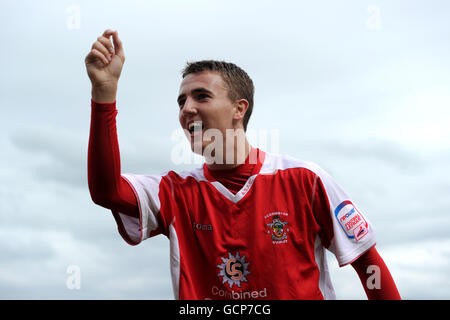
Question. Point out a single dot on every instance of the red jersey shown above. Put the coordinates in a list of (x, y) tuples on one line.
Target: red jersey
[(266, 241)]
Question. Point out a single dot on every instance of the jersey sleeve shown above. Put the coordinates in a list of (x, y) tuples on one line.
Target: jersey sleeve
[(149, 190), (345, 231)]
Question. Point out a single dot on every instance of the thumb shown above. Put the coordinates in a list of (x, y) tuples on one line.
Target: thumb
[(118, 48)]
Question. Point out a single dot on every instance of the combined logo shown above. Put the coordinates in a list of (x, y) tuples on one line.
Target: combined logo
[(277, 227), (233, 270)]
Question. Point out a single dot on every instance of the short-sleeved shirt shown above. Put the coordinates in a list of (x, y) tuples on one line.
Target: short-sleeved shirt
[(267, 241)]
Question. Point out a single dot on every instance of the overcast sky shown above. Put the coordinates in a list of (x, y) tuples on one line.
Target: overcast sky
[(360, 87)]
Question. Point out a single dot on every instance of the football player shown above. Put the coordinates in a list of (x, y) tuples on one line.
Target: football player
[(247, 224)]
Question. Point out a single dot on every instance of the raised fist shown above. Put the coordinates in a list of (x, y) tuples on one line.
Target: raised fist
[(104, 63)]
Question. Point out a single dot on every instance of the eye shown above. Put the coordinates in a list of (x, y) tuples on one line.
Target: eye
[(181, 103), (202, 96)]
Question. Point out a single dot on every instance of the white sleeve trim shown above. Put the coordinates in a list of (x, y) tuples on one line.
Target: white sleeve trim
[(352, 256), (146, 189), (347, 243), (174, 261)]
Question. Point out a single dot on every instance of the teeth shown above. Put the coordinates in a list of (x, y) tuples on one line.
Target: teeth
[(194, 126)]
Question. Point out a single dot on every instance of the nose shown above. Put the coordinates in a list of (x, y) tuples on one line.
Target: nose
[(189, 106)]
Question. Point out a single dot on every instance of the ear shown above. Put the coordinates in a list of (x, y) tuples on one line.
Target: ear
[(240, 108)]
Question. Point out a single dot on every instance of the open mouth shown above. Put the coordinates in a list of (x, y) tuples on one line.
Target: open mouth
[(194, 127)]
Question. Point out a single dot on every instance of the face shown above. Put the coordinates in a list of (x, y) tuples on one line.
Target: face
[(204, 104)]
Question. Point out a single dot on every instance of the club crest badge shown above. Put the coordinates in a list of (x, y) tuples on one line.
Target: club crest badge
[(277, 227)]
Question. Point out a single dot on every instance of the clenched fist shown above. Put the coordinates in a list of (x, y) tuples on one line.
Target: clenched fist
[(104, 64)]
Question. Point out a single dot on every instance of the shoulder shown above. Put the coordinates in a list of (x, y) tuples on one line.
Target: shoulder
[(185, 176), (306, 171), (274, 162), (170, 177)]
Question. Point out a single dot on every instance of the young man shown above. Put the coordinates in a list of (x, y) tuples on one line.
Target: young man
[(247, 224)]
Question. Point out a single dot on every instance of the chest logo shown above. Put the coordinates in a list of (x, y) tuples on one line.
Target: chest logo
[(233, 269), (277, 227)]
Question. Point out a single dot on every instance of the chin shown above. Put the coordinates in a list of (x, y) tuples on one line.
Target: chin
[(197, 149)]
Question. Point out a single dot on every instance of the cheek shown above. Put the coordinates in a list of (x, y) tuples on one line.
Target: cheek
[(225, 113), (218, 120), (181, 118)]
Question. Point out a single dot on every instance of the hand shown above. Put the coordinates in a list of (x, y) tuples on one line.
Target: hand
[(104, 64)]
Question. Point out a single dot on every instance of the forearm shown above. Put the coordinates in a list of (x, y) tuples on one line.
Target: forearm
[(106, 185), (375, 277)]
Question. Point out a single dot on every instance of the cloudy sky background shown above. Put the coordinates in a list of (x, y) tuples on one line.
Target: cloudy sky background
[(360, 87)]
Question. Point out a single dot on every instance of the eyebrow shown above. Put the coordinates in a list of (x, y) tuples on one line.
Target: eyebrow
[(194, 91)]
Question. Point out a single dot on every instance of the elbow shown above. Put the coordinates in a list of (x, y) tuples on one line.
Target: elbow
[(99, 200), (99, 194), (102, 199)]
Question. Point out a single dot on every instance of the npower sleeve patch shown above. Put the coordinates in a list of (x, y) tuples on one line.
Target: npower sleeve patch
[(351, 220)]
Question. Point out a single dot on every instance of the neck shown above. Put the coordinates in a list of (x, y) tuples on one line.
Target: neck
[(234, 156)]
